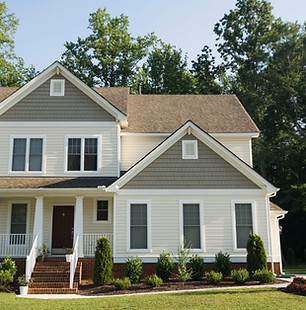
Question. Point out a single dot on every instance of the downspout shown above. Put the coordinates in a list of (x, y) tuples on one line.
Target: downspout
[(280, 217)]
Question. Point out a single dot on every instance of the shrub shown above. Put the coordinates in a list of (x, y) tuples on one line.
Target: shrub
[(134, 269), (153, 281), (103, 262), (223, 264), (240, 276), (214, 277), (291, 259), (196, 265), (182, 259), (122, 284), (256, 258), (6, 277), (8, 270), (263, 275), (22, 280), (164, 266)]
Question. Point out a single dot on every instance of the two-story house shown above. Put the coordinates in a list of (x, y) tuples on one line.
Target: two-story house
[(150, 172)]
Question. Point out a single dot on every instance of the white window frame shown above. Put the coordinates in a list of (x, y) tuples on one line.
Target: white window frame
[(9, 220), (26, 168), (202, 225), (55, 94), (234, 232), (95, 209), (99, 157), (195, 147), (128, 224)]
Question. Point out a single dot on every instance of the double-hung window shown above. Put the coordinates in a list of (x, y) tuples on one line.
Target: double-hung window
[(27, 154), (82, 154), (243, 223)]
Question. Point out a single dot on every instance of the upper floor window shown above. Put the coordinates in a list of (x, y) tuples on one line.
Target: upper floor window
[(27, 154), (82, 154), (57, 87), (190, 149)]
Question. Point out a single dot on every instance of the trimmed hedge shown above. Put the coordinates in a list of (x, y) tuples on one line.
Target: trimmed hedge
[(214, 277), (122, 284), (153, 281), (240, 276), (196, 265), (223, 264), (134, 269), (256, 258), (164, 266)]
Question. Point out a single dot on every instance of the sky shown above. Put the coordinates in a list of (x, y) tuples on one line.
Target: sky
[(45, 25)]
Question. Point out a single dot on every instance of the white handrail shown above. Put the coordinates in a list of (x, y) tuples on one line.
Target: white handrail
[(31, 259), (74, 260)]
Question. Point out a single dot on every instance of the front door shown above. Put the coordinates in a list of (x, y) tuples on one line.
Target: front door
[(62, 229)]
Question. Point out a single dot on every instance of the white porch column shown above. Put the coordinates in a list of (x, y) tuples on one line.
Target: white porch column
[(39, 221), (78, 223)]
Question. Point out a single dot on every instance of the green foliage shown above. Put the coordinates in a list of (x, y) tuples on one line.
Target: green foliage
[(290, 257), (223, 264), (122, 284), (256, 258), (214, 277), (240, 276), (107, 57), (164, 266), (8, 270), (134, 269), (263, 275), (103, 262), (6, 277), (22, 280), (153, 281), (196, 265), (184, 273)]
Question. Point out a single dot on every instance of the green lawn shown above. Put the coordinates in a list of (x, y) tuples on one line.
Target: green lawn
[(299, 269), (259, 298)]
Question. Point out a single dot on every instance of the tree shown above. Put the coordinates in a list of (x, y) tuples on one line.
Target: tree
[(12, 69), (108, 56), (164, 72)]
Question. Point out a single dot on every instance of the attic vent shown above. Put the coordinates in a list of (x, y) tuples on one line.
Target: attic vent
[(190, 149), (57, 87)]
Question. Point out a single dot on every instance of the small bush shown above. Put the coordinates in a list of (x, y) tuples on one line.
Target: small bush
[(214, 277), (182, 259), (223, 264), (134, 269), (256, 258), (240, 276), (8, 270), (6, 277), (164, 266), (297, 286), (122, 284), (153, 281), (103, 264), (196, 265), (263, 275)]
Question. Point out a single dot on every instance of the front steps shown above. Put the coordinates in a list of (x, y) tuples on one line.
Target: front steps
[(52, 277)]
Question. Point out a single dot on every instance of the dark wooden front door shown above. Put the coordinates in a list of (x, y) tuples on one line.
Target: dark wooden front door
[(62, 228)]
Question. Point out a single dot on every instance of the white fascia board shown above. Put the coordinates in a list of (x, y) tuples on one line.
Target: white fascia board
[(207, 140), (48, 73), (277, 213)]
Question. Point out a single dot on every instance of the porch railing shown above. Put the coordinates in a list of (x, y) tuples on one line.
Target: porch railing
[(90, 243), (74, 260), (31, 259), (16, 245)]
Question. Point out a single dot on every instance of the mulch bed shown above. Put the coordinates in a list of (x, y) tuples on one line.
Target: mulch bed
[(172, 285)]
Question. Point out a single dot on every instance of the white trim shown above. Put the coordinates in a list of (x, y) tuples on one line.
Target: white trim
[(114, 225), (194, 143), (99, 154), (9, 221), (128, 224), (26, 170), (163, 134), (48, 124), (118, 151), (254, 220), (95, 207), (202, 226), (269, 228), (57, 94)]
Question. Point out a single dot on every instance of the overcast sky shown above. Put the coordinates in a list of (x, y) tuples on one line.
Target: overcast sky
[(45, 25)]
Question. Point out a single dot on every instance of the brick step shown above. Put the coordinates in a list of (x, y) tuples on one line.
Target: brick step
[(50, 264), (54, 270), (52, 290), (52, 284)]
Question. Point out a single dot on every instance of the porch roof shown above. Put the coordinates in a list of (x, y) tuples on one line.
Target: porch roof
[(54, 182)]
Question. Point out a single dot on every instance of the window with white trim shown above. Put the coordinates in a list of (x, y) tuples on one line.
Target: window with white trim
[(189, 149), (138, 226), (191, 225), (244, 223), (102, 210), (82, 154), (27, 154), (18, 223), (57, 87)]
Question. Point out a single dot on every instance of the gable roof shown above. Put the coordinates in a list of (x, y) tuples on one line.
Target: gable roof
[(57, 68), (222, 151)]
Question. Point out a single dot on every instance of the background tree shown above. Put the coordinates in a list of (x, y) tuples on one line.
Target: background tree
[(12, 69), (108, 56)]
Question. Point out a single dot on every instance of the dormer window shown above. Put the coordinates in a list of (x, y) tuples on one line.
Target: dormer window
[(190, 149), (57, 87)]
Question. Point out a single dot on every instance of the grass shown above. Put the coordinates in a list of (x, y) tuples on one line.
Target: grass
[(299, 269), (258, 298)]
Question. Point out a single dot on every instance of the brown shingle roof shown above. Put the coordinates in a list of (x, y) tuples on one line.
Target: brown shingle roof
[(274, 207), (6, 92)]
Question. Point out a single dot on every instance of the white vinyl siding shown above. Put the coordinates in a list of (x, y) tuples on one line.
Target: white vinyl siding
[(55, 158)]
